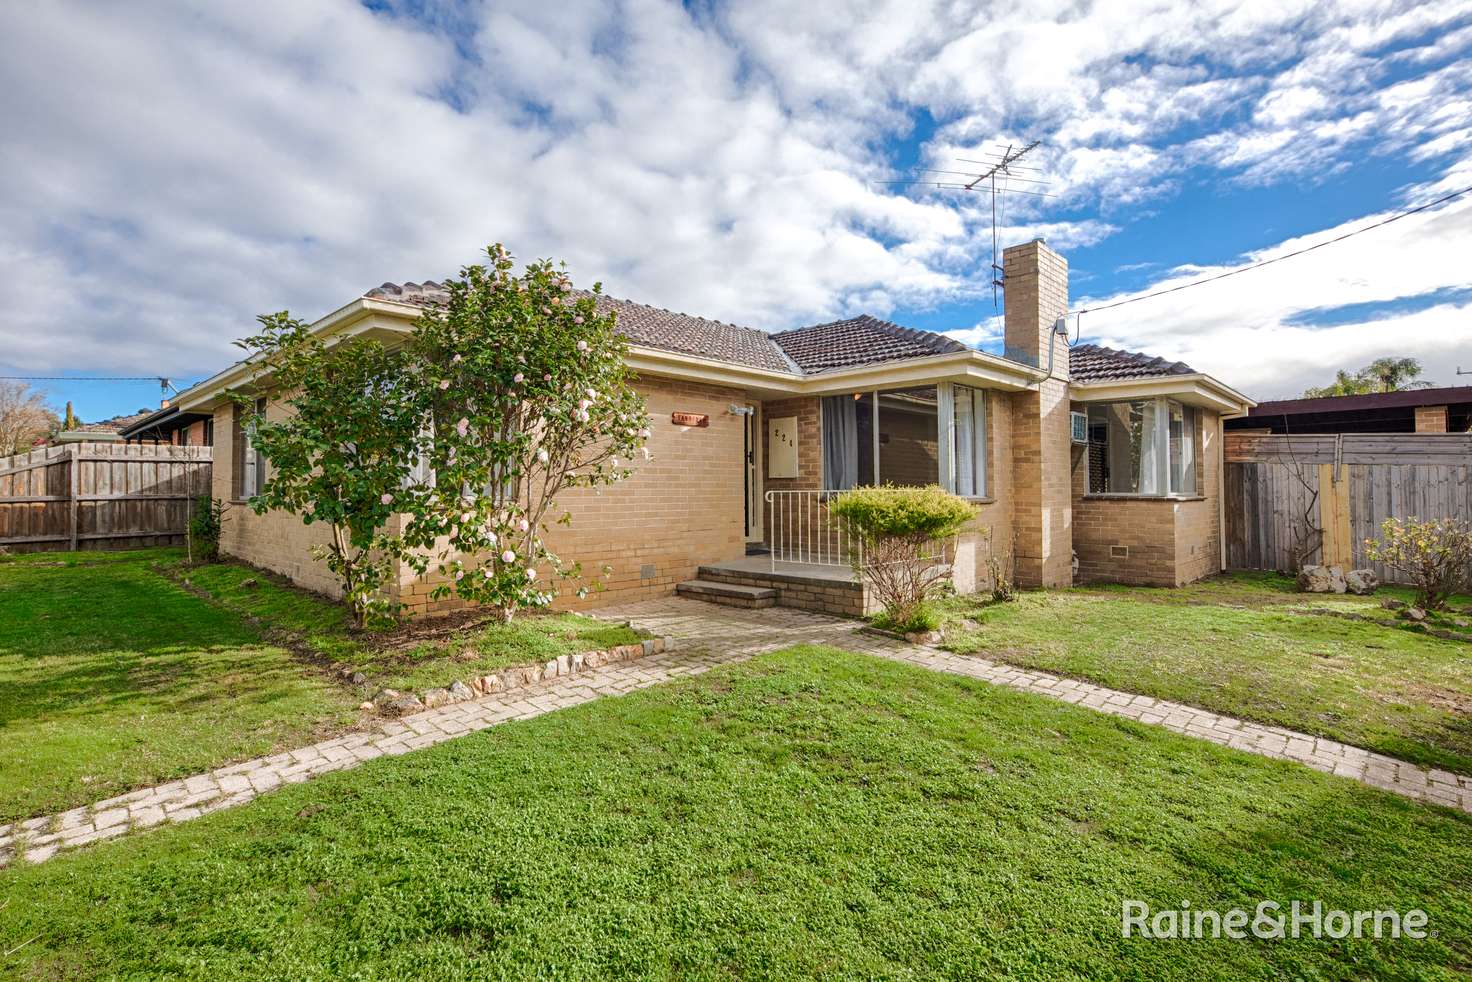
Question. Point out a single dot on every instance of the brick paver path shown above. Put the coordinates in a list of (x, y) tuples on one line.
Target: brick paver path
[(708, 636)]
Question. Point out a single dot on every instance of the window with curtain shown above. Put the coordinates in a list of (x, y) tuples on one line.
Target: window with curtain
[(932, 434), (1142, 447), (250, 466), (969, 435)]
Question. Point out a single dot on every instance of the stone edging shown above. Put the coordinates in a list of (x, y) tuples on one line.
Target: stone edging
[(390, 702)]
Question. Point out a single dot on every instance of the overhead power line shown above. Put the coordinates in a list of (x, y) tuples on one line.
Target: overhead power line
[(80, 378), (1277, 259)]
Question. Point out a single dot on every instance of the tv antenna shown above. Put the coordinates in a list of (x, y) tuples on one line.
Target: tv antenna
[(1002, 163)]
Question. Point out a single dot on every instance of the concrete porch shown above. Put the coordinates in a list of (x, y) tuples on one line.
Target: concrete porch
[(752, 582)]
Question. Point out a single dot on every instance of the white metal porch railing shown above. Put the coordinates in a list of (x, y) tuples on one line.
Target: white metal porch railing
[(801, 530)]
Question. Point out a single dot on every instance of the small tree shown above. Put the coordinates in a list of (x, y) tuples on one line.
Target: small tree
[(344, 453), (524, 396), (202, 534), (1436, 555), (903, 533), (24, 417)]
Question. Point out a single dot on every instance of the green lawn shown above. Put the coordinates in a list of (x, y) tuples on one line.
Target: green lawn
[(121, 670), (1248, 646), (422, 654), (113, 678), (808, 813)]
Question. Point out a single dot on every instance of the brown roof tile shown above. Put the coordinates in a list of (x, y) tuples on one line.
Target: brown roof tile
[(653, 327), (1094, 363), (860, 340)]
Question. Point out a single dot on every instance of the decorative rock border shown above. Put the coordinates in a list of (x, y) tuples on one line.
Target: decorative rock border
[(391, 702)]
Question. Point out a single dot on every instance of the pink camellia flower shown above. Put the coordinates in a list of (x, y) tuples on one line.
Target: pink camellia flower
[(566, 286), (578, 319), (488, 572), (546, 378), (519, 378), (582, 346), (456, 360), (491, 537), (386, 499), (542, 456), (583, 416), (525, 525), (531, 574), (462, 427), (466, 516), (444, 384), (459, 575), (583, 404), (592, 393), (508, 556)]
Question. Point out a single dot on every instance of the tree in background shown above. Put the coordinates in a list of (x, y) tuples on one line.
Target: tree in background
[(525, 396), (1381, 375), (70, 421), (24, 418)]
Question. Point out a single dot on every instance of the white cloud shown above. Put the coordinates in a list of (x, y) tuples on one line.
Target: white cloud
[(1250, 330), (172, 170)]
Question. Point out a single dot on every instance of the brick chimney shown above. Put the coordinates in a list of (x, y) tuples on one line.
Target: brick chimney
[(1035, 281)]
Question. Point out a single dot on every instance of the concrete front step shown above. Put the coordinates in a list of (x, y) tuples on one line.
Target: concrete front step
[(730, 594)]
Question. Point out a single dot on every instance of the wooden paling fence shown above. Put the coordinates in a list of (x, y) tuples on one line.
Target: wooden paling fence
[(1316, 499), (100, 496)]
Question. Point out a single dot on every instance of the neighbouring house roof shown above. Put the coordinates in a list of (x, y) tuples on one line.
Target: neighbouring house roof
[(1095, 363), (118, 423), (861, 340), (1374, 412)]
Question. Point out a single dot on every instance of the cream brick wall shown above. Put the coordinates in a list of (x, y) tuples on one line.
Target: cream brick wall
[(1152, 541), (679, 510), (1036, 296), (276, 541)]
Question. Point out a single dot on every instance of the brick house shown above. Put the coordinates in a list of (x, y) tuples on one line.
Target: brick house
[(1107, 456)]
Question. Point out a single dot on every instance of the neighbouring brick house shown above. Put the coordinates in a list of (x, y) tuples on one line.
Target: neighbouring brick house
[(1109, 455)]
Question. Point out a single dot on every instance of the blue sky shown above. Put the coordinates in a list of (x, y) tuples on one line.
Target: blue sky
[(174, 169)]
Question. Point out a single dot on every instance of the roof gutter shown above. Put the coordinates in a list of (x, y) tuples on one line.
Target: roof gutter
[(1197, 387)]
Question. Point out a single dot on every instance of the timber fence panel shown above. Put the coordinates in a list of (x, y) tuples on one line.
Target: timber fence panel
[(100, 496), (1280, 489)]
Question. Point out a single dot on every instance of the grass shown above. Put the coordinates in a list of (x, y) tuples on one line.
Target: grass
[(419, 655), (808, 813), (115, 678), (121, 670), (1248, 646)]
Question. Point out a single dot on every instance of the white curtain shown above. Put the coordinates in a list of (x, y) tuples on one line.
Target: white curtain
[(1150, 448), (965, 443), (840, 443)]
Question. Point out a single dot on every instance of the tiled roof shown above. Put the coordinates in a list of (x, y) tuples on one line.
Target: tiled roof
[(653, 327), (1093, 363), (859, 340), (116, 423)]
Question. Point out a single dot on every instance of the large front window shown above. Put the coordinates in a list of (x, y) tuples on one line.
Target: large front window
[(1142, 447), (931, 434)]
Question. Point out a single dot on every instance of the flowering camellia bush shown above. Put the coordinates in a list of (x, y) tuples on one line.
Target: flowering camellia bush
[(523, 395), (342, 453), (1436, 555)]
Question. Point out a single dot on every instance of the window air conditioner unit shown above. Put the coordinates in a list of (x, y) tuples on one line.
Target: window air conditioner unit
[(1079, 424)]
